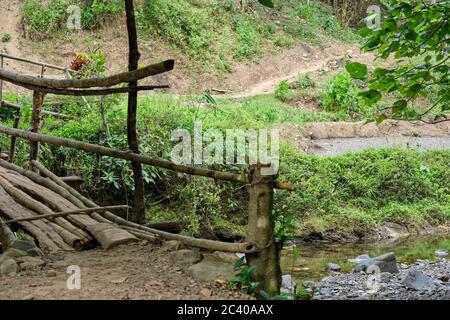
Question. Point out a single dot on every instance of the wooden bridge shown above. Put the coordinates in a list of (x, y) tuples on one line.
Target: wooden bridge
[(59, 217)]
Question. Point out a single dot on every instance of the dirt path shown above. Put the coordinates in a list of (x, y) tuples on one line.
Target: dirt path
[(134, 272)]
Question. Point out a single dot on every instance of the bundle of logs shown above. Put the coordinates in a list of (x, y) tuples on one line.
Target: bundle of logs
[(59, 218)]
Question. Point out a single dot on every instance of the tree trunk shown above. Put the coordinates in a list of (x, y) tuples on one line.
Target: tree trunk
[(139, 208), (260, 231)]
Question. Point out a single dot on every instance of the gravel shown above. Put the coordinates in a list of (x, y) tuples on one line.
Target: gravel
[(387, 286)]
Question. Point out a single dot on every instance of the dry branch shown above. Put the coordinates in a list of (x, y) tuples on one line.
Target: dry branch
[(64, 214)]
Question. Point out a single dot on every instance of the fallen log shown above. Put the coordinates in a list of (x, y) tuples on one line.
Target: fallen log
[(68, 237), (73, 181), (7, 237), (170, 226), (143, 235), (200, 243), (48, 240), (63, 214), (55, 197), (32, 204)]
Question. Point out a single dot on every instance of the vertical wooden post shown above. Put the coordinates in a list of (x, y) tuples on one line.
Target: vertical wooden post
[(12, 146), (133, 142), (36, 122), (260, 230)]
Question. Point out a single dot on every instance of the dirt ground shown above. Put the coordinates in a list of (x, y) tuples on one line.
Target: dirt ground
[(130, 272)]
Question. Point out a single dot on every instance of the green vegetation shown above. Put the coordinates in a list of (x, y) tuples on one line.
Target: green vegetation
[(345, 194), (416, 34), (212, 34), (6, 37), (45, 20)]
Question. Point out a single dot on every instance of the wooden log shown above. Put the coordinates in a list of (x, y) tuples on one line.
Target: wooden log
[(133, 142), (260, 230), (94, 92), (109, 236), (73, 181), (12, 146), (68, 237), (143, 235), (170, 226), (7, 237), (36, 122), (200, 243), (110, 81), (64, 214), (47, 239), (84, 222), (28, 202)]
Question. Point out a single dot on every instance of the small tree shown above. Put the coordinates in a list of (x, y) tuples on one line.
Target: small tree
[(417, 35)]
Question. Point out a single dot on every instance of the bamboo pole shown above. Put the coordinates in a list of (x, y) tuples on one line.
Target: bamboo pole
[(226, 176), (260, 230), (200, 243), (66, 213)]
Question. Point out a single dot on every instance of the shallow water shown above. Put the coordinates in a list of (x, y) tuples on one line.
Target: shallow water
[(332, 147), (308, 261)]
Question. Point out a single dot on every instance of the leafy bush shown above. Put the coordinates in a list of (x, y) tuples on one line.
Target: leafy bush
[(41, 20), (283, 91), (304, 81), (341, 95), (44, 20), (6, 37)]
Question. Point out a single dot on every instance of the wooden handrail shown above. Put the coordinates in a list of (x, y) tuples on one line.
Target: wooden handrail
[(161, 163), (42, 64), (124, 77)]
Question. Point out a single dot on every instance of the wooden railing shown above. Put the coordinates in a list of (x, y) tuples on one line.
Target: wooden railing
[(261, 248)]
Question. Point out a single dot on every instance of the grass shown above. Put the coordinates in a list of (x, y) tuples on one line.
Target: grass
[(6, 37), (348, 194), (212, 35)]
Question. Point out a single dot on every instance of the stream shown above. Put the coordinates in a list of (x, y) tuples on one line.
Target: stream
[(308, 261), (335, 146)]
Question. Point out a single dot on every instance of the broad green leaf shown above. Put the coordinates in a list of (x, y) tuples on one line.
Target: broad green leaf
[(399, 105), (357, 70), (381, 118), (267, 3), (371, 97)]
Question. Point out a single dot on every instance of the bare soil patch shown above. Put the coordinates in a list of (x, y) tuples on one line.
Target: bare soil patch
[(136, 272)]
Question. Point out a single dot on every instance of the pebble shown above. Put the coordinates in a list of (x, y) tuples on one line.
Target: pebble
[(387, 286)]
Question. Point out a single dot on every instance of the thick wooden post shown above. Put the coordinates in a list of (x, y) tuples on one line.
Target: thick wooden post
[(36, 122), (260, 230)]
